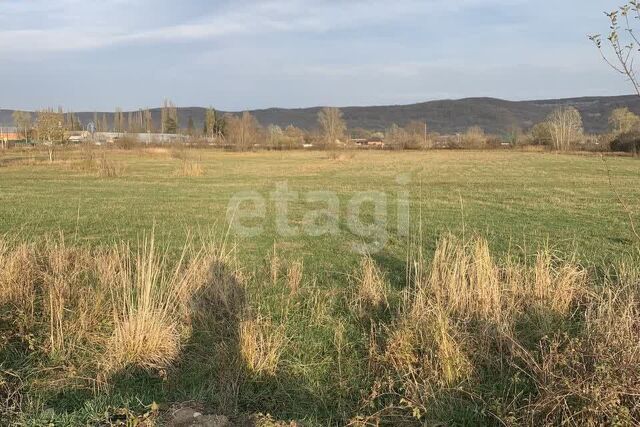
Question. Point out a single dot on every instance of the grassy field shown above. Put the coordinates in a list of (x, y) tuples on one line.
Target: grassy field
[(512, 198), (311, 358)]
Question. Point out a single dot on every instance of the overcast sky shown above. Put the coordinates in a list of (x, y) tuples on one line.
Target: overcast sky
[(245, 54)]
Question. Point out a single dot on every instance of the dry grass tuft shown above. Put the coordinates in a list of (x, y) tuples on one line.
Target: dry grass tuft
[(63, 272), (274, 266), (151, 303), (107, 168), (261, 345), (17, 279), (423, 357), (100, 166), (464, 336), (341, 156), (294, 276), (146, 339), (190, 169), (464, 279), (12, 395), (146, 331), (156, 151), (591, 379), (457, 312), (95, 312), (556, 287), (371, 289)]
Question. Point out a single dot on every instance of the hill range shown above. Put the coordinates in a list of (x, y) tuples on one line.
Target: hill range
[(495, 116)]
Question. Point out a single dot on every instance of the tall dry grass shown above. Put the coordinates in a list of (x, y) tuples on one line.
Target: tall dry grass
[(540, 341), (468, 320), (17, 279), (151, 304), (465, 280), (262, 344), (97, 311), (99, 165), (371, 293), (106, 168), (591, 378), (274, 266), (294, 277), (190, 168)]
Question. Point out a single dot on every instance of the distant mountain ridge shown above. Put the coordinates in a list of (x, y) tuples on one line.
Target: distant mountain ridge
[(494, 115)]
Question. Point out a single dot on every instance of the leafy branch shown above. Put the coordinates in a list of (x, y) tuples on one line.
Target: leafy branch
[(622, 42)]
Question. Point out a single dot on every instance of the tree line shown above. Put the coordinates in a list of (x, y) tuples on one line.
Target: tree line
[(562, 130), (242, 131)]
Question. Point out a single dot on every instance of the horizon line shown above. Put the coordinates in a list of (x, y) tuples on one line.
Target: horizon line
[(337, 106)]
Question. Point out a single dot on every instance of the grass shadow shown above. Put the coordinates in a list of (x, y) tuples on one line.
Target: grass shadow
[(213, 373)]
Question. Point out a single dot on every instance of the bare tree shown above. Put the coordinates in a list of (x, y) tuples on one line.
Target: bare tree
[(135, 121), (148, 121), (332, 125), (396, 137), (104, 124), (22, 121), (50, 129), (191, 128), (474, 137), (118, 120), (418, 134), (209, 123), (243, 132), (130, 122), (622, 121), (275, 136), (620, 53), (565, 127), (72, 121), (293, 137), (294, 133), (622, 43)]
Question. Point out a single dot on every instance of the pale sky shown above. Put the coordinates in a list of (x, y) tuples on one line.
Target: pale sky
[(95, 55)]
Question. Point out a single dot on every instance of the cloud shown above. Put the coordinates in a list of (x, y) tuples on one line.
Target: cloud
[(72, 25), (245, 53)]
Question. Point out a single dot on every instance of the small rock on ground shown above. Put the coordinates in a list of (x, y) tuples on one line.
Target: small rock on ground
[(190, 417)]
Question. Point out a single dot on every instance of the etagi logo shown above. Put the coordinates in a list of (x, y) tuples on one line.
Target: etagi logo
[(247, 214)]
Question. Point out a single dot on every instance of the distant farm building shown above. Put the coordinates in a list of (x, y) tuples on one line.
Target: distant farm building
[(77, 136), (111, 137), (10, 134), (368, 142), (143, 138)]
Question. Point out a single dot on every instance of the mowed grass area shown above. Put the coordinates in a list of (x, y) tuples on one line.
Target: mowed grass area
[(512, 198), (494, 330)]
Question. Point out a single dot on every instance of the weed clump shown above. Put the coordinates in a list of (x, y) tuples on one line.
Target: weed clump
[(371, 294), (96, 312), (467, 338), (467, 322), (189, 169)]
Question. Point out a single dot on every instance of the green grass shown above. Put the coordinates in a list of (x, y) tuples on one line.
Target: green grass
[(513, 198), (518, 201)]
